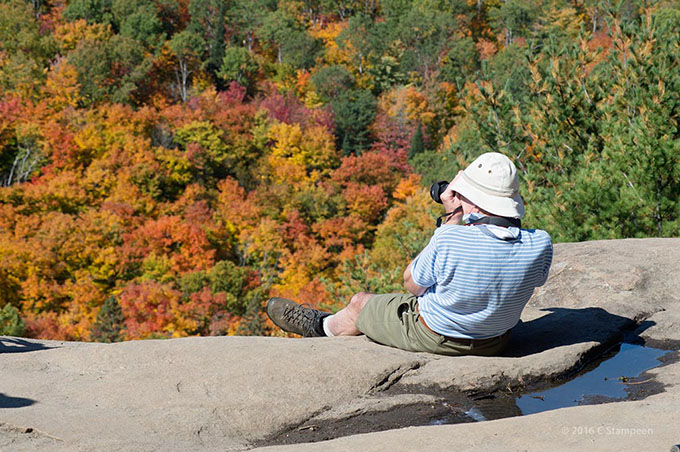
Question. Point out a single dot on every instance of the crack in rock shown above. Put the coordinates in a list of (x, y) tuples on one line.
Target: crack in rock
[(393, 376), (27, 431), (200, 430), (384, 382)]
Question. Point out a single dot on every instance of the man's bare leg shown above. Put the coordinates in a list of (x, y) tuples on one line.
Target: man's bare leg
[(344, 322)]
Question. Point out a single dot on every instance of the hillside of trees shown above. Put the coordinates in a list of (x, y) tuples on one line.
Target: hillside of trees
[(168, 165)]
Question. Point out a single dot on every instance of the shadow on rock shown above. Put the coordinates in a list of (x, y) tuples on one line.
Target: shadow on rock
[(14, 402), (564, 326), (16, 345)]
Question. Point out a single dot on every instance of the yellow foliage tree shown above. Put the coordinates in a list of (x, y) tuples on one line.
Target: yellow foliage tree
[(406, 229), (61, 89), (300, 156), (328, 34), (69, 34)]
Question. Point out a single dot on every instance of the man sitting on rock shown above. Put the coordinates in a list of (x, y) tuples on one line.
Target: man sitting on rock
[(468, 286)]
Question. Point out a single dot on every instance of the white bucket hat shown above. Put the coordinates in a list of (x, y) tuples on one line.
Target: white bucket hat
[(491, 183)]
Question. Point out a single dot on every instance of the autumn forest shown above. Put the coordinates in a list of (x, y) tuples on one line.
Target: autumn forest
[(166, 166)]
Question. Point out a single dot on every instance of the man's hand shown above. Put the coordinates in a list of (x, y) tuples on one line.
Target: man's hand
[(451, 202), (412, 287)]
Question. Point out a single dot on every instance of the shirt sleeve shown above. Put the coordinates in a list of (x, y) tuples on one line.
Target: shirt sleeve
[(423, 270), (547, 261)]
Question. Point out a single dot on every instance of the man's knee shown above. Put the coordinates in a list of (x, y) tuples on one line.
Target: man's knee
[(358, 301)]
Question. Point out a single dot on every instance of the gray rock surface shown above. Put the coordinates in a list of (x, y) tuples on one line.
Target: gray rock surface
[(232, 393), (648, 425)]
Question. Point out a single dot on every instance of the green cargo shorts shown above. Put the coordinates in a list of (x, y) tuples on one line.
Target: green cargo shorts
[(392, 319)]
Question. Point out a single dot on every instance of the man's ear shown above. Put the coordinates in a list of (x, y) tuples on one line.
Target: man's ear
[(472, 207), (468, 206)]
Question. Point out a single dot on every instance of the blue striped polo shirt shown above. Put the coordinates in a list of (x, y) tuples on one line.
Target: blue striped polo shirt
[(477, 283)]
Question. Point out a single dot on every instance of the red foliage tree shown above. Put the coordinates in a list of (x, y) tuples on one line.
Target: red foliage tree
[(290, 110), (370, 168), (147, 308), (393, 139), (185, 245)]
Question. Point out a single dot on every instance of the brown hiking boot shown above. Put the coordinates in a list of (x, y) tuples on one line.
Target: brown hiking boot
[(296, 318)]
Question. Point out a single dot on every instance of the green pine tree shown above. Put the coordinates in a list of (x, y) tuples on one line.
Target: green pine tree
[(354, 112), (110, 322), (417, 143), (253, 323), (11, 324), (594, 136)]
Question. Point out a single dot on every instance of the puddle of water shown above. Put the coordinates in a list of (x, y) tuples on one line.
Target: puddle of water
[(476, 414), (606, 382)]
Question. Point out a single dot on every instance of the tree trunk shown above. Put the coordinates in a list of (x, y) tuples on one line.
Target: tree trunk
[(22, 167), (182, 75)]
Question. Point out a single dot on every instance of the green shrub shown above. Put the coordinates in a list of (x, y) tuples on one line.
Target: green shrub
[(11, 324)]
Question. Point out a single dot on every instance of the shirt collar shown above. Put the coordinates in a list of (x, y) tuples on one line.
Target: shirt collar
[(499, 232)]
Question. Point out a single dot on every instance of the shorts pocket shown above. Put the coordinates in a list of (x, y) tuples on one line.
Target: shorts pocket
[(402, 309)]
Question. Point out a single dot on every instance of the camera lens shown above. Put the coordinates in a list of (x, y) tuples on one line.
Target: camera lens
[(437, 189)]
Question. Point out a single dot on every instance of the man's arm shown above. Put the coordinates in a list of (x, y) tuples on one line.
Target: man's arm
[(452, 202), (412, 287), (548, 255)]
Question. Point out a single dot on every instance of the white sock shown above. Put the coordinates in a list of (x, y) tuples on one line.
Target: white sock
[(326, 327)]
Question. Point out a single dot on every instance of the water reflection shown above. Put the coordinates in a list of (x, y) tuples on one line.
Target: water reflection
[(604, 383)]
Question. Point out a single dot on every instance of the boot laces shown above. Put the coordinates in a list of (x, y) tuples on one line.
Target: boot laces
[(303, 316)]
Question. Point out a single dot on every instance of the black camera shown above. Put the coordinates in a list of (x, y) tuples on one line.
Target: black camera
[(437, 189)]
